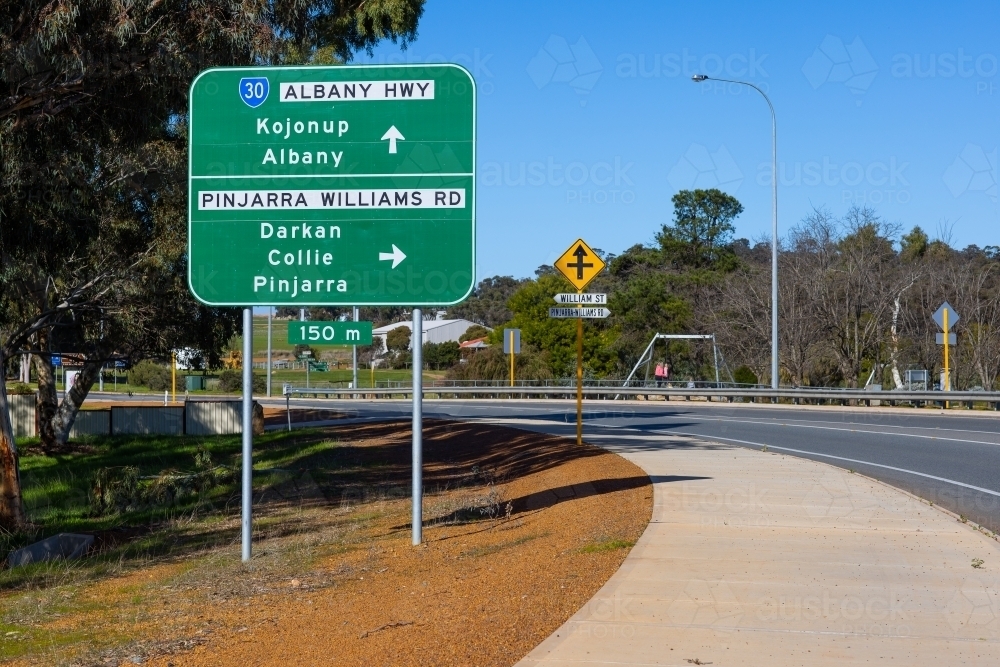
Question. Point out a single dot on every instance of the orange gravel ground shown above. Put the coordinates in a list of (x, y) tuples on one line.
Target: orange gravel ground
[(480, 591)]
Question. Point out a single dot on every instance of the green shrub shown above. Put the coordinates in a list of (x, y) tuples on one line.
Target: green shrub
[(150, 374), (19, 389), (492, 364), (744, 375), (441, 355), (398, 339), (231, 380), (474, 332)]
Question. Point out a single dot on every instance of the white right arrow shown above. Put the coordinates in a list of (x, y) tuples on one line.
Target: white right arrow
[(392, 134), (396, 256)]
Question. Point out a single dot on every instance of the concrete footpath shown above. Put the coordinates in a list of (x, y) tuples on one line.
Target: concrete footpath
[(757, 558)]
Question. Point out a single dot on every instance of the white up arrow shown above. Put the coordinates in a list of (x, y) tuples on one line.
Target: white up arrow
[(392, 134), (396, 256)]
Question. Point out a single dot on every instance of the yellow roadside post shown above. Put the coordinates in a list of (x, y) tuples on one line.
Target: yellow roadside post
[(946, 318), (173, 376), (947, 375), (579, 379), (579, 265), (511, 345)]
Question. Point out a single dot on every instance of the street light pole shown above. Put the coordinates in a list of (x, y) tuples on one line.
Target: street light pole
[(698, 78)]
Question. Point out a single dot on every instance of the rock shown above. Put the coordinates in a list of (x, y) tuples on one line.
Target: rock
[(66, 546), (257, 420)]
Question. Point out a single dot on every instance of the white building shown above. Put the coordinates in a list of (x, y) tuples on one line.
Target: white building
[(435, 331)]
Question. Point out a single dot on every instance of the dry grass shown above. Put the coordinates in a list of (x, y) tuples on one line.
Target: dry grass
[(334, 573)]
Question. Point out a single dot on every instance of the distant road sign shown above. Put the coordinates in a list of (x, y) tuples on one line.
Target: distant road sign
[(595, 299), (586, 313), (953, 317), (512, 336), (352, 184), (580, 264), (56, 360), (952, 339), (330, 333)]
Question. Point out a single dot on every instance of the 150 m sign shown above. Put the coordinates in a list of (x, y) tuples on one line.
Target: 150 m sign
[(332, 185), (330, 333)]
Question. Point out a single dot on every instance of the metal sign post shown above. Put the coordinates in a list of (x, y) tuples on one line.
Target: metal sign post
[(946, 317), (416, 340), (579, 381), (512, 358), (354, 357), (247, 431), (512, 346), (579, 265), (270, 318)]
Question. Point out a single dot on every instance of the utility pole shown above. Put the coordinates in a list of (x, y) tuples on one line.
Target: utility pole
[(775, 368)]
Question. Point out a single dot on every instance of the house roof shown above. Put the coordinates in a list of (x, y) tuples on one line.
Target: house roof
[(474, 344), (429, 325)]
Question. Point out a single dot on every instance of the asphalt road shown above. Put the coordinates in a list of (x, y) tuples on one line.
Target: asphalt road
[(952, 460)]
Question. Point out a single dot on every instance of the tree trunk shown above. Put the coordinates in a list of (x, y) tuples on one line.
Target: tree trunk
[(55, 418), (46, 401), (896, 379), (11, 506), (62, 420), (26, 368)]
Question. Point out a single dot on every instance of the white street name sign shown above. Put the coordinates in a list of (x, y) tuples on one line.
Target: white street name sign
[(596, 299), (587, 313)]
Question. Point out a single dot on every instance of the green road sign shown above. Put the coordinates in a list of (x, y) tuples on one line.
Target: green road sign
[(330, 333), (332, 185)]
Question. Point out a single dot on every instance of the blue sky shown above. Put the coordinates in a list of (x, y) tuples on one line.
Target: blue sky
[(893, 105)]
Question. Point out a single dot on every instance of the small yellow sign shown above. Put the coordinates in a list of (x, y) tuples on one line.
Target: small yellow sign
[(580, 264)]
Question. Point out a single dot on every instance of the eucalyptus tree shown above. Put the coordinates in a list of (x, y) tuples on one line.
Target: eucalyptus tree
[(93, 99)]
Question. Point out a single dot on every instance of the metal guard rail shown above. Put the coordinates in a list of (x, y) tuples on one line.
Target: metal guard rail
[(795, 395)]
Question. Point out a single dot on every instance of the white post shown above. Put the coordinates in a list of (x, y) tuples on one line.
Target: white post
[(354, 355), (417, 339), (247, 429), (270, 313)]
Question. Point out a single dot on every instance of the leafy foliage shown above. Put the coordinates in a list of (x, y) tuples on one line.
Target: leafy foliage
[(488, 303), (702, 229), (492, 364), (440, 355), (474, 333), (150, 374), (398, 339), (231, 381)]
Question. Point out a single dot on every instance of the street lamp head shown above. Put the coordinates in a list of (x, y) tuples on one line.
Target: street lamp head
[(698, 78)]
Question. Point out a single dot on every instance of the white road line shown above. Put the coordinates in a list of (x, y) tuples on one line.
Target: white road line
[(831, 428), (837, 458)]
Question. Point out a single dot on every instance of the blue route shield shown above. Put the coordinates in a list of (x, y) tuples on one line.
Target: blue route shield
[(253, 91)]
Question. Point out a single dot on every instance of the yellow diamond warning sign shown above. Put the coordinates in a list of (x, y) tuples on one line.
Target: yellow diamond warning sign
[(580, 264)]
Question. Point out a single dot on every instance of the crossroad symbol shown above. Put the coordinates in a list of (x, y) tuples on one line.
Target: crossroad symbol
[(953, 317), (580, 264)]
